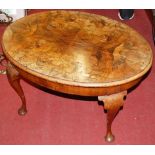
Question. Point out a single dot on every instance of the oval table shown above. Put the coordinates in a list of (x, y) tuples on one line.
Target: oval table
[(76, 53)]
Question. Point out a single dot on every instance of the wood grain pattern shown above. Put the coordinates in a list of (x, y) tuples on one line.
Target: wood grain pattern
[(76, 53), (77, 49), (112, 103), (14, 80)]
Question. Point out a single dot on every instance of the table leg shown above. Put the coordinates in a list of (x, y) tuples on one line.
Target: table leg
[(14, 80), (112, 103)]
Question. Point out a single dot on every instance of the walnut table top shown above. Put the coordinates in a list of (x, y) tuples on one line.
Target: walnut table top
[(76, 52)]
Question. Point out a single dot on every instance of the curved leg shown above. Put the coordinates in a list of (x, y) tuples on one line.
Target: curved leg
[(112, 103), (14, 80)]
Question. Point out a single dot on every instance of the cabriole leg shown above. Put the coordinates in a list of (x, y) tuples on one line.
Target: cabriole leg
[(14, 80), (112, 103)]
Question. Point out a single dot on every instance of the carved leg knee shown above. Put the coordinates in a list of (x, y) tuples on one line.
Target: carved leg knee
[(14, 80), (112, 103)]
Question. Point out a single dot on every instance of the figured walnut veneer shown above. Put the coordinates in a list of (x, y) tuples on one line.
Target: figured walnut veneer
[(77, 49), (77, 53)]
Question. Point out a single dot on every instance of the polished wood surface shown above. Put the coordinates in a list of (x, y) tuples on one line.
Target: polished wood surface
[(14, 80), (112, 103), (76, 53), (77, 49)]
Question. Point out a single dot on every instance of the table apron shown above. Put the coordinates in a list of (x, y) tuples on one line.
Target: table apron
[(77, 90)]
